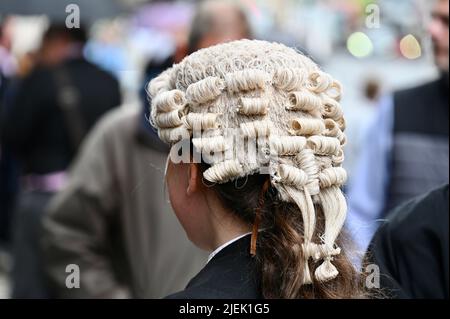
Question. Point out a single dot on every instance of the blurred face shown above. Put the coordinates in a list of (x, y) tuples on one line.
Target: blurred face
[(6, 33), (188, 200), (438, 29), (228, 25), (53, 51)]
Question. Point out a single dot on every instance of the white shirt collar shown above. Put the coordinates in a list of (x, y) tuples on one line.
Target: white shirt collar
[(216, 251)]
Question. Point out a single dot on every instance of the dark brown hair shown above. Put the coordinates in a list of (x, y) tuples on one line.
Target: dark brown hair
[(279, 255)]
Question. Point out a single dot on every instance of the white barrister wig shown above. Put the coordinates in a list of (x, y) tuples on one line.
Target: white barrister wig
[(277, 98)]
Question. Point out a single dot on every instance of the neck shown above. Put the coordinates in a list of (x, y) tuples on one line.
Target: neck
[(223, 236), (225, 225)]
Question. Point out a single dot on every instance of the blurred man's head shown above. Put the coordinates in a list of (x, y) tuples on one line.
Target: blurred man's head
[(439, 33), (217, 21), (5, 33), (59, 43)]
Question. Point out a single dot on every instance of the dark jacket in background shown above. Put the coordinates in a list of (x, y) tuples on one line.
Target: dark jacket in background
[(412, 248), (231, 274), (34, 127), (420, 147)]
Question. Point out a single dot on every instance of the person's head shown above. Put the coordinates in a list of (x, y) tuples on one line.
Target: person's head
[(60, 42), (1, 34), (372, 89), (5, 32), (266, 130), (217, 21), (438, 29)]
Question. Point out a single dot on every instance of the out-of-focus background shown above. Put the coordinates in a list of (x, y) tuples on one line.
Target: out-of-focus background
[(371, 46), (361, 45)]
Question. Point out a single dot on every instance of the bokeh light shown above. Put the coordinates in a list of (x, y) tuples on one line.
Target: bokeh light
[(410, 48), (359, 45)]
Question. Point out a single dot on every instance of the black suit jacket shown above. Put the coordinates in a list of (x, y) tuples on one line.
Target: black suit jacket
[(412, 247), (231, 274)]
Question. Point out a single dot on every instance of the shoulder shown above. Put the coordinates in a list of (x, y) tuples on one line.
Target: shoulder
[(118, 124), (216, 291), (93, 70), (122, 117), (224, 282), (202, 293), (41, 78), (411, 248), (231, 274), (422, 218)]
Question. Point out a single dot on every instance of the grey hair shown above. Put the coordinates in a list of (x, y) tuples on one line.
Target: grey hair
[(203, 21)]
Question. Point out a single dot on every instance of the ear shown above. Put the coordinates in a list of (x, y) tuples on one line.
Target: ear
[(194, 179)]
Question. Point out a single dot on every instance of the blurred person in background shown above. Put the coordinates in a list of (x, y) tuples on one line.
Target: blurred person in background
[(51, 111), (406, 152), (358, 119), (8, 170), (113, 219), (8, 63), (412, 248), (217, 21), (214, 22)]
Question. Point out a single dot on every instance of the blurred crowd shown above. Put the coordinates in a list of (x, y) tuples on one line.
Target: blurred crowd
[(82, 170)]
